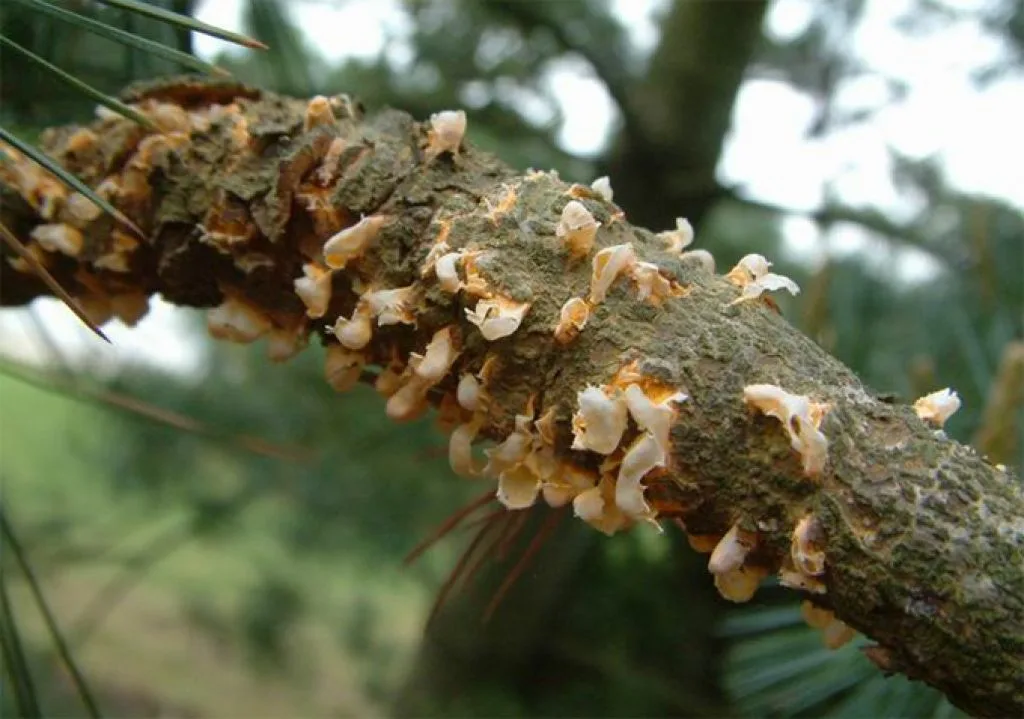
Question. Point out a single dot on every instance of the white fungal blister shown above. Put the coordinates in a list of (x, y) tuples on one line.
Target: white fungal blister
[(447, 129), (596, 506), (730, 552), (351, 243), (314, 289), (577, 229), (518, 487), (800, 417), (937, 407), (438, 357), (752, 275), (566, 484), (283, 343), (702, 259), (652, 285), (447, 272), (609, 263), (59, 237), (497, 317), (356, 332), (237, 321), (392, 306), (654, 417), (644, 455), (571, 320), (410, 401), (513, 450), (603, 187), (600, 421), (678, 239), (460, 448)]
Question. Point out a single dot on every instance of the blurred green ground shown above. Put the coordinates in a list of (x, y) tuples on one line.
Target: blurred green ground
[(170, 644)]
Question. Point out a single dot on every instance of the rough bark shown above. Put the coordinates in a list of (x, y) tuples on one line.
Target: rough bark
[(922, 537)]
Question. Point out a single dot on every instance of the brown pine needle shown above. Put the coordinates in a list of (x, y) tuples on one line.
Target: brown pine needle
[(456, 573), (506, 521), (160, 415), (450, 523), (516, 528), (50, 281), (545, 531)]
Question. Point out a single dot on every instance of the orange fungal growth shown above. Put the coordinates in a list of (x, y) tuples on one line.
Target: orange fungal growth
[(801, 419), (79, 210), (572, 319), (438, 357), (318, 114), (355, 332), (652, 285), (577, 229)]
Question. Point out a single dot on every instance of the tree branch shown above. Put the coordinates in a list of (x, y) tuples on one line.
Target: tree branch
[(922, 538)]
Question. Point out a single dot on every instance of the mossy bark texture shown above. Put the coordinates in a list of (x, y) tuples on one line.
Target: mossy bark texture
[(922, 537)]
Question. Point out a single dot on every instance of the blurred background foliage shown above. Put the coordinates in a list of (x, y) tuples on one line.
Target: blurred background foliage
[(197, 573)]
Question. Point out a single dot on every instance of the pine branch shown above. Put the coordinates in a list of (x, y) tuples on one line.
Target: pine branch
[(921, 538)]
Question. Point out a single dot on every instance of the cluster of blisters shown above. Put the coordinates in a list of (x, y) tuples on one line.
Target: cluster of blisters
[(577, 229), (69, 216)]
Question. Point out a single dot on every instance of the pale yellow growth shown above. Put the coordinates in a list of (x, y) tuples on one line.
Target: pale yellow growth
[(329, 165), (609, 263), (355, 332), (460, 448), (577, 229), (678, 239), (571, 320), (314, 289), (937, 407), (342, 367), (740, 584), (497, 317), (837, 634), (237, 321), (566, 484), (600, 421), (410, 401), (352, 242), (59, 237), (799, 417), (437, 358), (795, 579)]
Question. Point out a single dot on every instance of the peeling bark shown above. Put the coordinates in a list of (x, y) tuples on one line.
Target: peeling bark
[(922, 538)]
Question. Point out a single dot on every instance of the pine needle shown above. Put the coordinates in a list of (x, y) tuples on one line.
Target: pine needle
[(184, 21)]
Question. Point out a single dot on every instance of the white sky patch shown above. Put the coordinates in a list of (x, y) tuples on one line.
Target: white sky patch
[(165, 339), (587, 107)]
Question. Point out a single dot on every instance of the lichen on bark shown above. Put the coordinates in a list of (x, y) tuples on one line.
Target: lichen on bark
[(922, 537)]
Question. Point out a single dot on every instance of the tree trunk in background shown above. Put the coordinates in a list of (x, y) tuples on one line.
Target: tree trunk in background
[(919, 538), (665, 166)]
